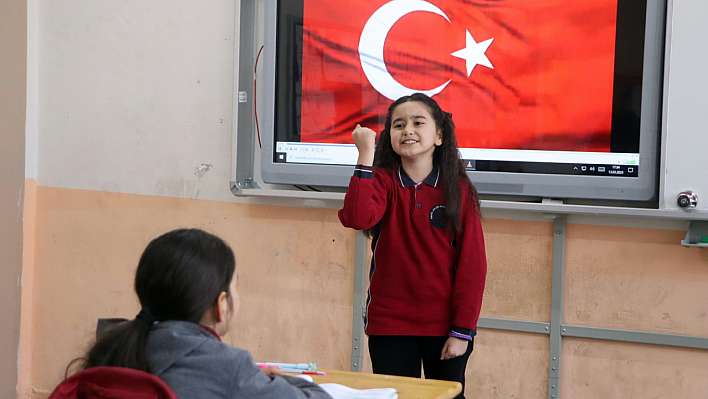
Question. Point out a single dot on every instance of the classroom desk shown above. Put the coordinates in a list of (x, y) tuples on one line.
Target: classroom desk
[(408, 388)]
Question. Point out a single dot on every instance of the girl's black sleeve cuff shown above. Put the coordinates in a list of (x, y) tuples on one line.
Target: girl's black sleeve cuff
[(363, 171)]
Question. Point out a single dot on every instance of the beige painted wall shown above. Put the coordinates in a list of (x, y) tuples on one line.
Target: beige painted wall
[(13, 50), (296, 269), (634, 279), (293, 265), (27, 313)]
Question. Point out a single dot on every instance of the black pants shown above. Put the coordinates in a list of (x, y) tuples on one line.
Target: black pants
[(403, 355)]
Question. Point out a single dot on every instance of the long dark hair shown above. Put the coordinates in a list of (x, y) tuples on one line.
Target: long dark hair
[(445, 156), (180, 276)]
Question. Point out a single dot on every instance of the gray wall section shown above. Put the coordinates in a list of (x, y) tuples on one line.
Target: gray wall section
[(686, 103), (135, 96), (13, 50)]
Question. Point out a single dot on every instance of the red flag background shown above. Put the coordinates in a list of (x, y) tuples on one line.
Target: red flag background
[(550, 88)]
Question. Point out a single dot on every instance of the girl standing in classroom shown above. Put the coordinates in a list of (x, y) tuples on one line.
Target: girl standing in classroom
[(428, 266)]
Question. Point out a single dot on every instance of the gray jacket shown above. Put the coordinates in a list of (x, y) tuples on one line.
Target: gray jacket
[(197, 365)]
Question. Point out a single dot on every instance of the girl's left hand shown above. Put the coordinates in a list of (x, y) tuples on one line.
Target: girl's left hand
[(453, 347)]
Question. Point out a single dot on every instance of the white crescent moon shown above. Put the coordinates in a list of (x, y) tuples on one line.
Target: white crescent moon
[(371, 47)]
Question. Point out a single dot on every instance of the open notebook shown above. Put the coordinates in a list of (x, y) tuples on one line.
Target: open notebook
[(338, 391)]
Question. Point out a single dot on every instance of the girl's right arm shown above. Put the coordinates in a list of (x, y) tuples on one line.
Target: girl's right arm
[(366, 198)]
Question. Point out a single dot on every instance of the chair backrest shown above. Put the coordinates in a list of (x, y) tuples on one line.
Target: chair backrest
[(112, 383)]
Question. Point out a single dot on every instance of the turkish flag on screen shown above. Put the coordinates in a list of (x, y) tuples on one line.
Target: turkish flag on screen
[(525, 74)]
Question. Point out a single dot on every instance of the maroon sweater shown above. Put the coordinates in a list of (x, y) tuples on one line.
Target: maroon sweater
[(424, 281)]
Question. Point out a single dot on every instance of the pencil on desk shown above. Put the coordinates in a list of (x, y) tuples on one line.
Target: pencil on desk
[(297, 366), (297, 371), (293, 368), (313, 372)]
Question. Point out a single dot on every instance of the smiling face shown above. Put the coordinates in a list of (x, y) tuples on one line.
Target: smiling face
[(414, 134)]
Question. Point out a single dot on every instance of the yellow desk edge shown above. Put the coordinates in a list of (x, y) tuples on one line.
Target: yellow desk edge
[(408, 388)]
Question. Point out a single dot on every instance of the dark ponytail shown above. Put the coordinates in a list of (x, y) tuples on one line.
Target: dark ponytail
[(122, 345), (180, 276)]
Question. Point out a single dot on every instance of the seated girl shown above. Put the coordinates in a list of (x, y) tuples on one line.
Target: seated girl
[(186, 287)]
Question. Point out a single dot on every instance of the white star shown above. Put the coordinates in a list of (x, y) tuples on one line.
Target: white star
[(473, 53)]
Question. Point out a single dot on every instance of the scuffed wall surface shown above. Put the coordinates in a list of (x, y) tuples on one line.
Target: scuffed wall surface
[(29, 235), (519, 269), (508, 365), (135, 95), (594, 369), (636, 279)]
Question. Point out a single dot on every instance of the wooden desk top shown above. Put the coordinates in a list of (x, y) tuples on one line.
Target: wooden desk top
[(408, 388)]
